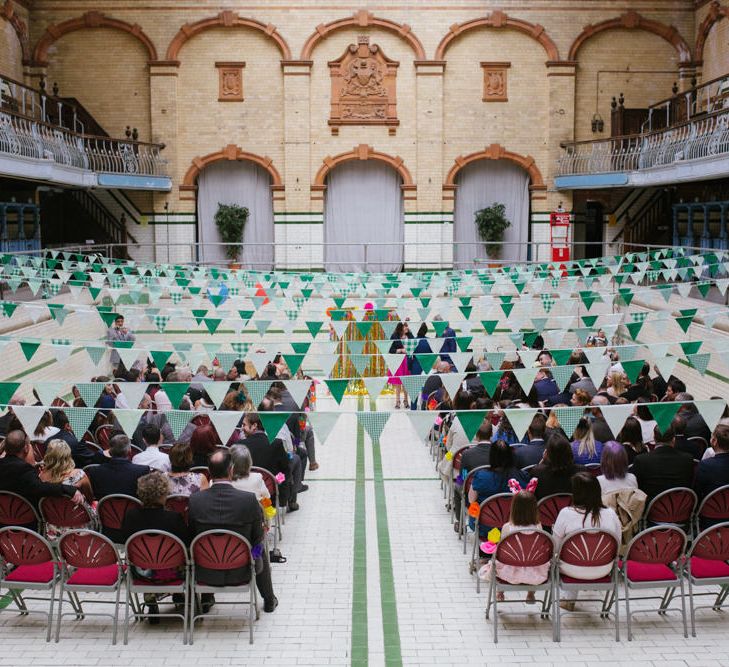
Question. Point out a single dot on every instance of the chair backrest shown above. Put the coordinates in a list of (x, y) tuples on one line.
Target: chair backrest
[(716, 505), (712, 543), (672, 506), (220, 550), (495, 510), (102, 435), (201, 469), (22, 546), (178, 503), (469, 479), (16, 510), (660, 544), (550, 506), (589, 547), (458, 456), (94, 446), (595, 469), (269, 479), (525, 548), (39, 449), (112, 509), (133, 451), (165, 448), (699, 442), (62, 512), (155, 550), (87, 548)]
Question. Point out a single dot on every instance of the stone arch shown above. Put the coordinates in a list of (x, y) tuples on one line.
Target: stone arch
[(498, 19), (497, 152), (634, 21), (230, 152), (716, 14), (226, 19), (7, 12), (363, 19), (363, 152)]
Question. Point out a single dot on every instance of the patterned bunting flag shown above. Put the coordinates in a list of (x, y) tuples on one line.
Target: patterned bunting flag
[(374, 423)]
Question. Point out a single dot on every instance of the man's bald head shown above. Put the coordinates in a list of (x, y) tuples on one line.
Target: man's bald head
[(15, 443), (219, 464)]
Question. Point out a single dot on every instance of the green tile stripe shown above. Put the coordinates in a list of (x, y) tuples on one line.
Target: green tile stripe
[(388, 602), (5, 600), (359, 648)]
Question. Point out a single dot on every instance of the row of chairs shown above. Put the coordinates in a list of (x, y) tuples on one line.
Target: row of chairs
[(656, 558), (85, 561)]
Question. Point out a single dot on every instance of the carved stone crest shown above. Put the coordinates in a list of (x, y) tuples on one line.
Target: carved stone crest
[(363, 87), (494, 82), (230, 81)]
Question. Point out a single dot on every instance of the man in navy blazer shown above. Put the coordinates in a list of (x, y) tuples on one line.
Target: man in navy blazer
[(118, 474), (714, 472)]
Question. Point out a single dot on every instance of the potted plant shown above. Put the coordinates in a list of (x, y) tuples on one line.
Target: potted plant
[(491, 223), (230, 219)]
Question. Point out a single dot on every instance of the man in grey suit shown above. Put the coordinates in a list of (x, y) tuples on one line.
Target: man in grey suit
[(223, 507)]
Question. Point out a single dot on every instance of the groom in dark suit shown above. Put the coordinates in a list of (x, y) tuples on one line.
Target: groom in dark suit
[(223, 507)]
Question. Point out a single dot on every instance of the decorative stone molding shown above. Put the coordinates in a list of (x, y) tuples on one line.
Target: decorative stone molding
[(7, 12), (230, 81), (363, 152), (363, 19), (85, 22), (633, 21), (231, 152), (296, 67), (429, 67), (561, 68), (500, 20), (495, 87), (716, 14), (226, 19), (363, 87), (496, 152)]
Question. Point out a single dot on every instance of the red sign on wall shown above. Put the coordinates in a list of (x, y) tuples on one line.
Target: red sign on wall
[(559, 229)]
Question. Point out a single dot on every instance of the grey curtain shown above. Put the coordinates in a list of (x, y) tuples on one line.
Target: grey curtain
[(245, 184), (480, 184), (363, 205)]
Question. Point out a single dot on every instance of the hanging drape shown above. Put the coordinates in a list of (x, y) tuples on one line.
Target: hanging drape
[(363, 206), (481, 184), (246, 184)]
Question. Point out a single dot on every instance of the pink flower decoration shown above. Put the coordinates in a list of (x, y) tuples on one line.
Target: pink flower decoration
[(488, 547), (369, 306), (280, 478)]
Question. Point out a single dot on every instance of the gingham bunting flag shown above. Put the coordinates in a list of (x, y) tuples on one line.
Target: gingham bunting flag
[(178, 419), (80, 419), (568, 418), (160, 322), (374, 423)]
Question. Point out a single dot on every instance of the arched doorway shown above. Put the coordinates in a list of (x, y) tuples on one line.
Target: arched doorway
[(236, 182), (363, 217), (482, 183)]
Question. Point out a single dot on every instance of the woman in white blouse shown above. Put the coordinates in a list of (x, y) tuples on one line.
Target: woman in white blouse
[(243, 478), (614, 466), (586, 511)]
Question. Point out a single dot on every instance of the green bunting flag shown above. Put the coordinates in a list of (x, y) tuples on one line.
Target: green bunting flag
[(273, 422), (337, 388), (471, 421), (175, 391), (490, 381), (632, 369), (29, 348), (7, 391), (663, 413), (314, 327)]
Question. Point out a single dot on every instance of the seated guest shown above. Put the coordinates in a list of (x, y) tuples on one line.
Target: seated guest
[(682, 443), (580, 398), (600, 428), (152, 490), (581, 380), (695, 425), (19, 476), (243, 478), (713, 472), (585, 449), (664, 468), (472, 458), (456, 438), (614, 466), (586, 511), (152, 456), (224, 507), (118, 474), (555, 472), (532, 452), (151, 416), (184, 482), (203, 441), (8, 421), (673, 388), (45, 429), (82, 454), (631, 436), (645, 419), (545, 385), (269, 455)]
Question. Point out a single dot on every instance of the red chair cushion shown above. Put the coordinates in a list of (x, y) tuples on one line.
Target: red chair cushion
[(41, 573), (649, 572), (95, 576), (607, 579), (705, 568)]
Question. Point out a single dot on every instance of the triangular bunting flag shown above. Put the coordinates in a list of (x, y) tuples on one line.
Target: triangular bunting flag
[(520, 420), (80, 419), (128, 420), (374, 386), (49, 391), (7, 390), (273, 422), (490, 381), (525, 377), (452, 382), (471, 421), (225, 422), (256, 390), (175, 391), (133, 392), (29, 416), (216, 391), (663, 413), (422, 421), (413, 385), (298, 390), (711, 411), (615, 416), (373, 423), (322, 423), (337, 387)]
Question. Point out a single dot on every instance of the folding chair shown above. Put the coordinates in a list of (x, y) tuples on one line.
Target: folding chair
[(595, 469), (699, 442), (455, 472), (464, 503), (180, 504), (202, 469), (713, 509), (589, 547), (707, 566), (675, 506), (156, 550), (112, 510), (493, 513), (63, 513), (223, 550), (524, 548), (269, 479), (89, 564), (654, 559), (102, 435), (17, 511), (27, 563), (550, 506)]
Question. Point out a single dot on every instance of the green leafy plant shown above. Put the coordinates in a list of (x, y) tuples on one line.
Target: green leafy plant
[(230, 219), (491, 223)]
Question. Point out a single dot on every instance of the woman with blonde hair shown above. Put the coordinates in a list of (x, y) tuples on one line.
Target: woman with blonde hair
[(585, 448), (617, 384), (59, 468)]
